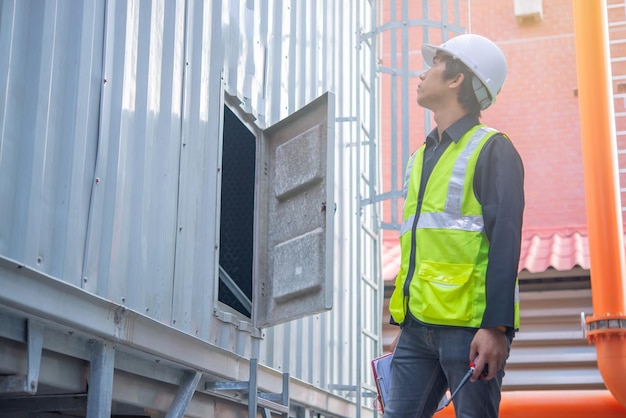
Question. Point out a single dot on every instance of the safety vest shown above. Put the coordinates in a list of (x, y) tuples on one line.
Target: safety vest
[(442, 278)]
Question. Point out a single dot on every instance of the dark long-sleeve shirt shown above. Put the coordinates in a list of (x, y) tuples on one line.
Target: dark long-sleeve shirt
[(499, 187)]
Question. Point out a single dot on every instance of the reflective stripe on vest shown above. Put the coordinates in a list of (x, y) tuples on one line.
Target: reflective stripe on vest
[(451, 217)]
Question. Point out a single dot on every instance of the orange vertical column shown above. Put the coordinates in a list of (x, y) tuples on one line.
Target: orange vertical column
[(607, 327)]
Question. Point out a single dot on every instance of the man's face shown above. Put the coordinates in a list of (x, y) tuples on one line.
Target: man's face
[(433, 88)]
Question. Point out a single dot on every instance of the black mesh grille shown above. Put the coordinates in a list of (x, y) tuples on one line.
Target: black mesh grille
[(237, 213)]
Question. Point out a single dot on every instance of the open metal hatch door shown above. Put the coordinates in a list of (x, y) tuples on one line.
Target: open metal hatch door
[(293, 262)]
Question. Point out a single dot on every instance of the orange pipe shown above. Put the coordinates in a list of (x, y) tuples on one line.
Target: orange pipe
[(554, 404), (606, 247)]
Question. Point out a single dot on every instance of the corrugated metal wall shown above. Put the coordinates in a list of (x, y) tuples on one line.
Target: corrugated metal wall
[(110, 116)]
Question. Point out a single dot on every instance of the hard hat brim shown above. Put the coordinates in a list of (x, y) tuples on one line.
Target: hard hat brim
[(428, 52)]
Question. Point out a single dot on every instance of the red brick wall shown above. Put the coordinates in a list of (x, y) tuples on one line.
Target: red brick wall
[(538, 107)]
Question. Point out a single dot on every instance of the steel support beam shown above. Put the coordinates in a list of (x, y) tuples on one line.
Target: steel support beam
[(100, 391)]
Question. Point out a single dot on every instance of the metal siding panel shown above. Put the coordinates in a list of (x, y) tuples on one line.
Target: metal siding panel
[(100, 240), (350, 331), (247, 68), (196, 275), (312, 49), (261, 40), (130, 257), (287, 51), (245, 29), (341, 236), (15, 41), (316, 364), (275, 58), (325, 56), (343, 330), (49, 131), (292, 58), (300, 57), (232, 43), (321, 364)]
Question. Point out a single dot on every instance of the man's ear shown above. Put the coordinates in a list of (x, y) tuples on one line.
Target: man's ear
[(457, 80)]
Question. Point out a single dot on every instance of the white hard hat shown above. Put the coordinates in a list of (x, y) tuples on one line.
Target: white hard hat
[(482, 57)]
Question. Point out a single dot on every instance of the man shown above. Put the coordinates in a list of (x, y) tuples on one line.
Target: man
[(456, 295)]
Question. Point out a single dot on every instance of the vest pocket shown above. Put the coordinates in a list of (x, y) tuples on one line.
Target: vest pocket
[(447, 291)]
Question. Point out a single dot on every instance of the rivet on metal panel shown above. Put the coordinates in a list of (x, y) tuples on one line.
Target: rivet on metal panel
[(97, 180), (85, 279), (39, 260)]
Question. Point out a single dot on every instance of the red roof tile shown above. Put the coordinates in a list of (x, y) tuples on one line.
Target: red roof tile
[(558, 248)]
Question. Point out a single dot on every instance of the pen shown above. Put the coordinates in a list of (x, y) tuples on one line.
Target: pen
[(464, 381)]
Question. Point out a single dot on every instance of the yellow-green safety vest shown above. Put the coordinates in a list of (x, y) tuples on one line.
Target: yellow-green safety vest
[(447, 286)]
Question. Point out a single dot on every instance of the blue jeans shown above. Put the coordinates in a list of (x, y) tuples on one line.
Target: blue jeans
[(429, 360)]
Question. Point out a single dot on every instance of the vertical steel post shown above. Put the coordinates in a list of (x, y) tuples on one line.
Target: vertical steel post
[(100, 393)]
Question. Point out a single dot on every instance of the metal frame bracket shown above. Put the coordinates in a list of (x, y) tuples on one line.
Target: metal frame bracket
[(276, 402), (187, 388)]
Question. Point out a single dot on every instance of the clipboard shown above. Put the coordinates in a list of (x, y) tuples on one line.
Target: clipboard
[(381, 367)]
